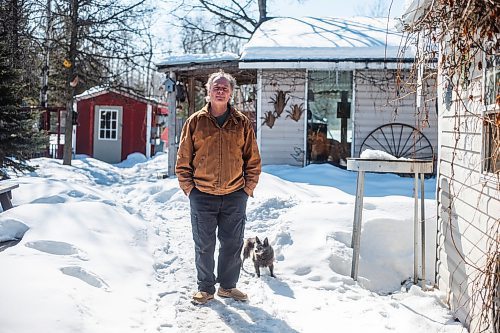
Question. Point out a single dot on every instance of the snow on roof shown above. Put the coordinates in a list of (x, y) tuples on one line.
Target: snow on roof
[(189, 58), (414, 10), (92, 91), (310, 38), (100, 90)]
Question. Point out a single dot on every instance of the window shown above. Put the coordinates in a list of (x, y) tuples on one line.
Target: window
[(492, 142), (108, 124), (492, 78), (329, 124), (491, 123)]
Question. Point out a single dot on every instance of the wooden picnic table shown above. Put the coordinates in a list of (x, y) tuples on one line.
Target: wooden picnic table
[(6, 194)]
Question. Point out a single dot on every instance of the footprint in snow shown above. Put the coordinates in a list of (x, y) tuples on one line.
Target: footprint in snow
[(269, 209), (343, 237), (87, 277), (57, 248), (164, 196), (54, 199), (369, 206), (76, 194), (303, 271)]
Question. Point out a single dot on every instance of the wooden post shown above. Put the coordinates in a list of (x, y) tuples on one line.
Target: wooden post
[(422, 226), (191, 95), (356, 227), (172, 131), (149, 119), (415, 231), (46, 64)]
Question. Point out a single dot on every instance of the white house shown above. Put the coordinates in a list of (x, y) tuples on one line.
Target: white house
[(468, 193)]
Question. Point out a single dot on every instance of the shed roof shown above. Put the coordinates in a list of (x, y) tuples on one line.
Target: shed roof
[(325, 39), (101, 90)]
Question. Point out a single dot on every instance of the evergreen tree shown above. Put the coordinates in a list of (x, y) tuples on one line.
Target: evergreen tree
[(19, 134)]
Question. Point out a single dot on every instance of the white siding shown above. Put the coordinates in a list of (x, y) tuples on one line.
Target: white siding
[(378, 102), (468, 208), (286, 138)]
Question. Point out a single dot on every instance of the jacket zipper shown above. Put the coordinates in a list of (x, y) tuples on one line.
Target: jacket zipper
[(219, 178), (220, 152), (220, 157)]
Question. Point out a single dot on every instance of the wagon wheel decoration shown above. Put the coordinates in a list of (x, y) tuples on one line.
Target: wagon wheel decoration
[(399, 140)]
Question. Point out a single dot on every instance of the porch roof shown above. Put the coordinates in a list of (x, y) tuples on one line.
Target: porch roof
[(199, 66), (189, 59)]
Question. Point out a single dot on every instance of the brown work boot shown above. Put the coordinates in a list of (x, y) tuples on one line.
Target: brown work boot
[(232, 293), (201, 297)]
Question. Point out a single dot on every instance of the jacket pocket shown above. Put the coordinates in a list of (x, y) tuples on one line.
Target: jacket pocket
[(234, 137), (200, 162)]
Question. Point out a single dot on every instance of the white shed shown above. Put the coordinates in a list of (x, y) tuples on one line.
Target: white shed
[(323, 84)]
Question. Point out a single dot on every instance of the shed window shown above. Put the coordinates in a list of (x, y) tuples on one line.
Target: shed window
[(108, 120), (491, 126)]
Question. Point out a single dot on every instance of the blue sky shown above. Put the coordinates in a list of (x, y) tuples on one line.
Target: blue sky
[(333, 8)]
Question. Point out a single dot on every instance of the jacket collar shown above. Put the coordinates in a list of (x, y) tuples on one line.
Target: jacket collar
[(233, 115)]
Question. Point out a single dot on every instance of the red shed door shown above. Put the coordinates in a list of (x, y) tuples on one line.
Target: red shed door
[(108, 133)]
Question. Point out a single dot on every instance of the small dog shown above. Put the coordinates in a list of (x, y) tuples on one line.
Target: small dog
[(261, 252)]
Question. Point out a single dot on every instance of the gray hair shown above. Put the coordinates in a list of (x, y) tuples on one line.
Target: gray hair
[(215, 76)]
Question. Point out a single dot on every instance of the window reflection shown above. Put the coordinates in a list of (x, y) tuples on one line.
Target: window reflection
[(329, 127)]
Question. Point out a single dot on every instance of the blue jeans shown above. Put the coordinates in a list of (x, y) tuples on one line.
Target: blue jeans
[(224, 214)]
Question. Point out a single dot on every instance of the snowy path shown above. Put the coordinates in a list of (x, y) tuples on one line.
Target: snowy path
[(176, 279), (299, 299)]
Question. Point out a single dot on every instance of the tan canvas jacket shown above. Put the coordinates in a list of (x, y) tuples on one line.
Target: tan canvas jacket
[(218, 160)]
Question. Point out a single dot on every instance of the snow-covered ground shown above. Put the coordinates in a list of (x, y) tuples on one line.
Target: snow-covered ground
[(108, 248)]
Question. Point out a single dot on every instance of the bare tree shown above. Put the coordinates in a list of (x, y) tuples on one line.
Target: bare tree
[(194, 39), (219, 25), (96, 42), (83, 42)]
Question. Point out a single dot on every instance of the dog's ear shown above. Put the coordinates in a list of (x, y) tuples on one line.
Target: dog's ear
[(266, 242), (257, 240)]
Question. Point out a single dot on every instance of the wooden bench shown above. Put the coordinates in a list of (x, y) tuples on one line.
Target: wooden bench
[(6, 195)]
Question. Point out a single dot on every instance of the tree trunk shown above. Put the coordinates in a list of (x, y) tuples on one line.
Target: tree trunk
[(46, 58), (15, 19), (262, 11), (68, 135)]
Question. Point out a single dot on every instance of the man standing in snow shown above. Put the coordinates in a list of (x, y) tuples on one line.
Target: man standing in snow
[(218, 166)]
